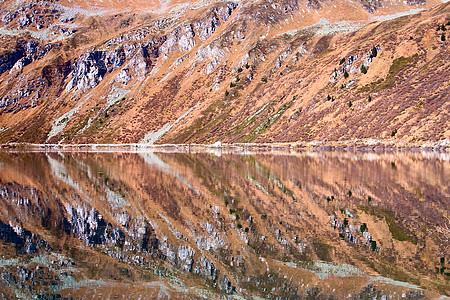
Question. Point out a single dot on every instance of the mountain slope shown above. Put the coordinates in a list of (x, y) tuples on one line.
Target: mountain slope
[(244, 225), (253, 71)]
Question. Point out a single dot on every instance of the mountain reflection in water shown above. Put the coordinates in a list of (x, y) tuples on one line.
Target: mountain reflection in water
[(314, 225)]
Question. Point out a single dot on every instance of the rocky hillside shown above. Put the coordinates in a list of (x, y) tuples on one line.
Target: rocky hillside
[(250, 71)]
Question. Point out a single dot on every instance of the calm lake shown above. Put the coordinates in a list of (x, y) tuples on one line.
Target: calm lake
[(279, 225)]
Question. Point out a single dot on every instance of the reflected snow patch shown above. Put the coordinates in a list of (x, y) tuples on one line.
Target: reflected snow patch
[(154, 161)]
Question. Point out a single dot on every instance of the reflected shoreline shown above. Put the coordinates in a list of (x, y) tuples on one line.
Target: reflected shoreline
[(360, 145), (349, 153)]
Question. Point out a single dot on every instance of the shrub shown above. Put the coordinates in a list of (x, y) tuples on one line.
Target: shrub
[(247, 65), (369, 198), (232, 84), (374, 51), (394, 132), (264, 79), (363, 69), (438, 28), (239, 226), (263, 217), (328, 97), (443, 37), (363, 227), (246, 229), (342, 61), (443, 28), (373, 245), (226, 93), (350, 105), (369, 99), (240, 70), (349, 193), (345, 74)]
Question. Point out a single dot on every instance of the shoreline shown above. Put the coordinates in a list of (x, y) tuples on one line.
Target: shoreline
[(352, 145)]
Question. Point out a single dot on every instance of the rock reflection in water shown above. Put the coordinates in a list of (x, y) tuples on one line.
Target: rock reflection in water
[(304, 225)]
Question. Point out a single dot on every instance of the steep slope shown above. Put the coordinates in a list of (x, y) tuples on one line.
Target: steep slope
[(250, 71)]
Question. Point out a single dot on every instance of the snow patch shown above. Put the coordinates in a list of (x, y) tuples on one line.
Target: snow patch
[(325, 27), (259, 111), (385, 280), (165, 77), (61, 123), (115, 95), (324, 270), (398, 15), (43, 35), (69, 13), (151, 137), (289, 33)]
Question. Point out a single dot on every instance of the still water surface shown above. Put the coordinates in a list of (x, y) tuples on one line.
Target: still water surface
[(308, 225)]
